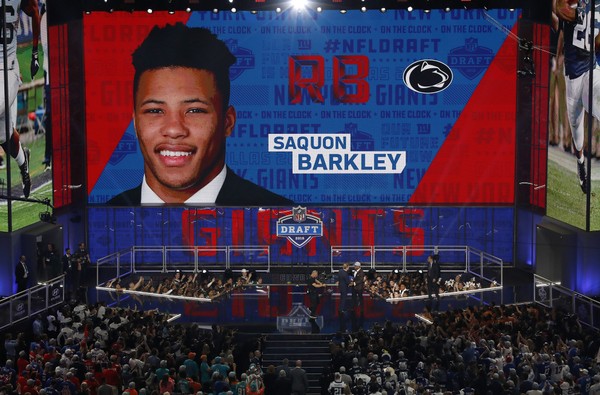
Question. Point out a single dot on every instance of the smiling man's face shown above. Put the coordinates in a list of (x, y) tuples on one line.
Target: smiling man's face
[(182, 127)]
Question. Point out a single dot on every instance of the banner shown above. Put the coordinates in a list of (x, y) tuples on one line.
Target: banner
[(333, 109)]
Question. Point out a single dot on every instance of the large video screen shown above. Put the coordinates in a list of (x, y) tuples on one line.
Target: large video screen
[(571, 150), (330, 109), (28, 82)]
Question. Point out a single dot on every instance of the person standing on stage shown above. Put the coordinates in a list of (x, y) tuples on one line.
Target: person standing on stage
[(433, 276), (312, 288), (357, 292), (22, 274), (344, 283)]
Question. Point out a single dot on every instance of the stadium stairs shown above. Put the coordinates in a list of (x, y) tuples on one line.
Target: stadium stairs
[(312, 349)]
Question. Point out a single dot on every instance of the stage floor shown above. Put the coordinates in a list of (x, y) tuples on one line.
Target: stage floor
[(282, 308)]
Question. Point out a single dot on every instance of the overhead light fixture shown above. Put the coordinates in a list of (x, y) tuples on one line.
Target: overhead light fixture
[(299, 4)]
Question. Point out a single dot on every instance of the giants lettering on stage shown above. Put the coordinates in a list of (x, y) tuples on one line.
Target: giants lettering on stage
[(117, 229)]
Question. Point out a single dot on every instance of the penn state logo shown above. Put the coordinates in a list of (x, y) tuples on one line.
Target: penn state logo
[(127, 146), (427, 76), (299, 227), (244, 56)]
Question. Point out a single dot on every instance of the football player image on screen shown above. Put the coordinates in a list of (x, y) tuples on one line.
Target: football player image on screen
[(573, 19), (10, 76), (182, 118)]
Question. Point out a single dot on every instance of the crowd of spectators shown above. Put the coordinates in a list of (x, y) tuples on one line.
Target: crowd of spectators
[(404, 284), (480, 350), (193, 285), (98, 350)]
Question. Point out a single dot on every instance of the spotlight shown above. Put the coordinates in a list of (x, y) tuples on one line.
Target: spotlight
[(150, 11), (231, 1), (319, 9), (343, 11), (363, 9), (447, 9), (234, 10), (254, 12), (382, 9), (278, 9), (215, 11), (171, 12), (299, 5), (409, 9), (427, 11), (188, 9)]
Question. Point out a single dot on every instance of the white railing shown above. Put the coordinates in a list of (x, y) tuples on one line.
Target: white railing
[(553, 295), (167, 259), (32, 301)]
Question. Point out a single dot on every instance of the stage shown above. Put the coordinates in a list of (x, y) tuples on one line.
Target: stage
[(282, 308)]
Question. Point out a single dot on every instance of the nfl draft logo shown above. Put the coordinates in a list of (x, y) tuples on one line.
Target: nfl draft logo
[(244, 56), (471, 59), (127, 146), (299, 227)]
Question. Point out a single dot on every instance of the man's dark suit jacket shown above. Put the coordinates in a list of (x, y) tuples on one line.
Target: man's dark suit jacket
[(359, 281), (19, 273), (343, 281), (433, 270), (236, 191)]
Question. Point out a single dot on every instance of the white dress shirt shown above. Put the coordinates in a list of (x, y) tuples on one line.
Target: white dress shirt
[(207, 195)]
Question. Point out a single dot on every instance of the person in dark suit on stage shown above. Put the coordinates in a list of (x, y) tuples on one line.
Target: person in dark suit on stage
[(433, 276), (22, 274), (358, 284), (344, 283), (313, 289), (182, 118)]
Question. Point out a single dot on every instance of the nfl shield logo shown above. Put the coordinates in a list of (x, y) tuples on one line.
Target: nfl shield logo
[(299, 214), (299, 227), (471, 44)]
